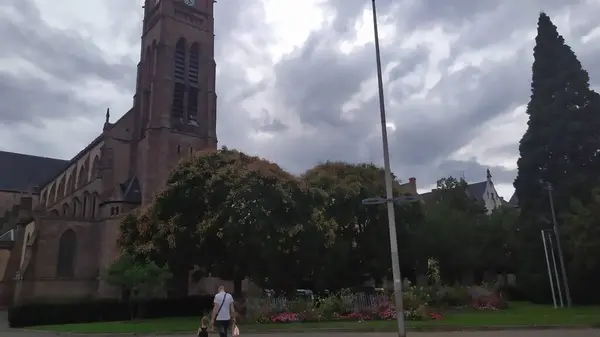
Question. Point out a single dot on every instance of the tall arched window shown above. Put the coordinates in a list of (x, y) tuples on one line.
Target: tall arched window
[(179, 78), (61, 188), (71, 182), (95, 167), (82, 177), (84, 208), (52, 194), (192, 77), (76, 207), (67, 249), (93, 206)]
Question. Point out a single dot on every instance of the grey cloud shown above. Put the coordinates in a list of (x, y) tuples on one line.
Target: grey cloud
[(26, 99), (64, 59), (313, 83), (318, 81)]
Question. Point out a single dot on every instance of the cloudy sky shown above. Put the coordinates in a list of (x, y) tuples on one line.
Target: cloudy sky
[(296, 79)]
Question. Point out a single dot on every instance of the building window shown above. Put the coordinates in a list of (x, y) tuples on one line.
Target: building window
[(114, 210), (93, 212), (179, 78), (67, 249)]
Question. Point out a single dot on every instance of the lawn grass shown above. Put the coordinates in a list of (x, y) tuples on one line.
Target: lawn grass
[(519, 315)]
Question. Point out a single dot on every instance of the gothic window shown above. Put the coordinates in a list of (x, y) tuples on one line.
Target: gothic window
[(61, 188), (149, 67), (84, 211), (178, 98), (179, 77), (193, 83), (82, 176), (93, 210), (76, 208), (71, 183), (95, 167), (180, 61), (67, 249), (65, 209), (43, 198), (194, 65)]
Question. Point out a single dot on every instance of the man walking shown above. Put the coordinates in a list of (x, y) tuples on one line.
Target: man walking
[(223, 312)]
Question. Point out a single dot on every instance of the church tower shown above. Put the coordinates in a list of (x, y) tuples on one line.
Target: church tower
[(175, 101)]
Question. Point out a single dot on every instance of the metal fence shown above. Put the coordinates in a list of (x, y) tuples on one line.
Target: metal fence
[(357, 302)]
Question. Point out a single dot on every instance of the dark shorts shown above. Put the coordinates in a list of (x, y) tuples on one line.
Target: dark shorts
[(222, 327)]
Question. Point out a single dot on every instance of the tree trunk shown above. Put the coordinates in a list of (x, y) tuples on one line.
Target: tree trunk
[(237, 287)]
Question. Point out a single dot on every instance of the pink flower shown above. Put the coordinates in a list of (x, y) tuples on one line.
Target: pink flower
[(285, 317)]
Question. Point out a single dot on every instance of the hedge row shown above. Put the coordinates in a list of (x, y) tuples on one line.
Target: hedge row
[(105, 310)]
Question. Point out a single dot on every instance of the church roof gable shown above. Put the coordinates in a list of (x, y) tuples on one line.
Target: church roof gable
[(19, 172)]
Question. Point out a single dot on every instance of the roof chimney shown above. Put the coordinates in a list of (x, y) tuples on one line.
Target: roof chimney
[(412, 182)]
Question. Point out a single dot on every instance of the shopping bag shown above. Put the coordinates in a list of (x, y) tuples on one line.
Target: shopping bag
[(235, 331)]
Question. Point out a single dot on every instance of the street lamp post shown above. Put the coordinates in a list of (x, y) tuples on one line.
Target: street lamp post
[(559, 246), (389, 200)]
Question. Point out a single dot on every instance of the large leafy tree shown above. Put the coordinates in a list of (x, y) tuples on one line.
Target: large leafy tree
[(361, 248), (451, 230), (582, 228), (560, 145), (232, 215), (260, 225)]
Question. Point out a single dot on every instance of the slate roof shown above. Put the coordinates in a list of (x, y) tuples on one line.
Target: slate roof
[(19, 172), (514, 201), (9, 236), (131, 190), (477, 190)]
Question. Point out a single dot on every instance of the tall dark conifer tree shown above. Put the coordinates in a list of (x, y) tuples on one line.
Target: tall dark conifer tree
[(562, 139), (560, 145)]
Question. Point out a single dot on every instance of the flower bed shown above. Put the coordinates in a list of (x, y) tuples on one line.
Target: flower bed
[(420, 303)]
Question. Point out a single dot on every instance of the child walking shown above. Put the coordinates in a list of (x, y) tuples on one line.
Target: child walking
[(203, 329)]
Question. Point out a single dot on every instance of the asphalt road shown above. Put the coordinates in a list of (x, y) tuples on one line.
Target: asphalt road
[(527, 333)]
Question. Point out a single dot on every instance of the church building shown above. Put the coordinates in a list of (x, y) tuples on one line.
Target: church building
[(61, 217)]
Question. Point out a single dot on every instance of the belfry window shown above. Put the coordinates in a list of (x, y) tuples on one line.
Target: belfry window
[(194, 67), (192, 77), (179, 78), (180, 61)]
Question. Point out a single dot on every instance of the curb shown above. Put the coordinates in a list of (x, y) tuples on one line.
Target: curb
[(338, 330)]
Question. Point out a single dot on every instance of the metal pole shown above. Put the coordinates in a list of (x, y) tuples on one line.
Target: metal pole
[(559, 247), (388, 189), (549, 270), (560, 295)]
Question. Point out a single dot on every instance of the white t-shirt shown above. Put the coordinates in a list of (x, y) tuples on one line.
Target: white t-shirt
[(224, 314)]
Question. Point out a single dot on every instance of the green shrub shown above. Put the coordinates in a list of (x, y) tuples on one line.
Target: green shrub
[(331, 305), (86, 311), (450, 297)]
